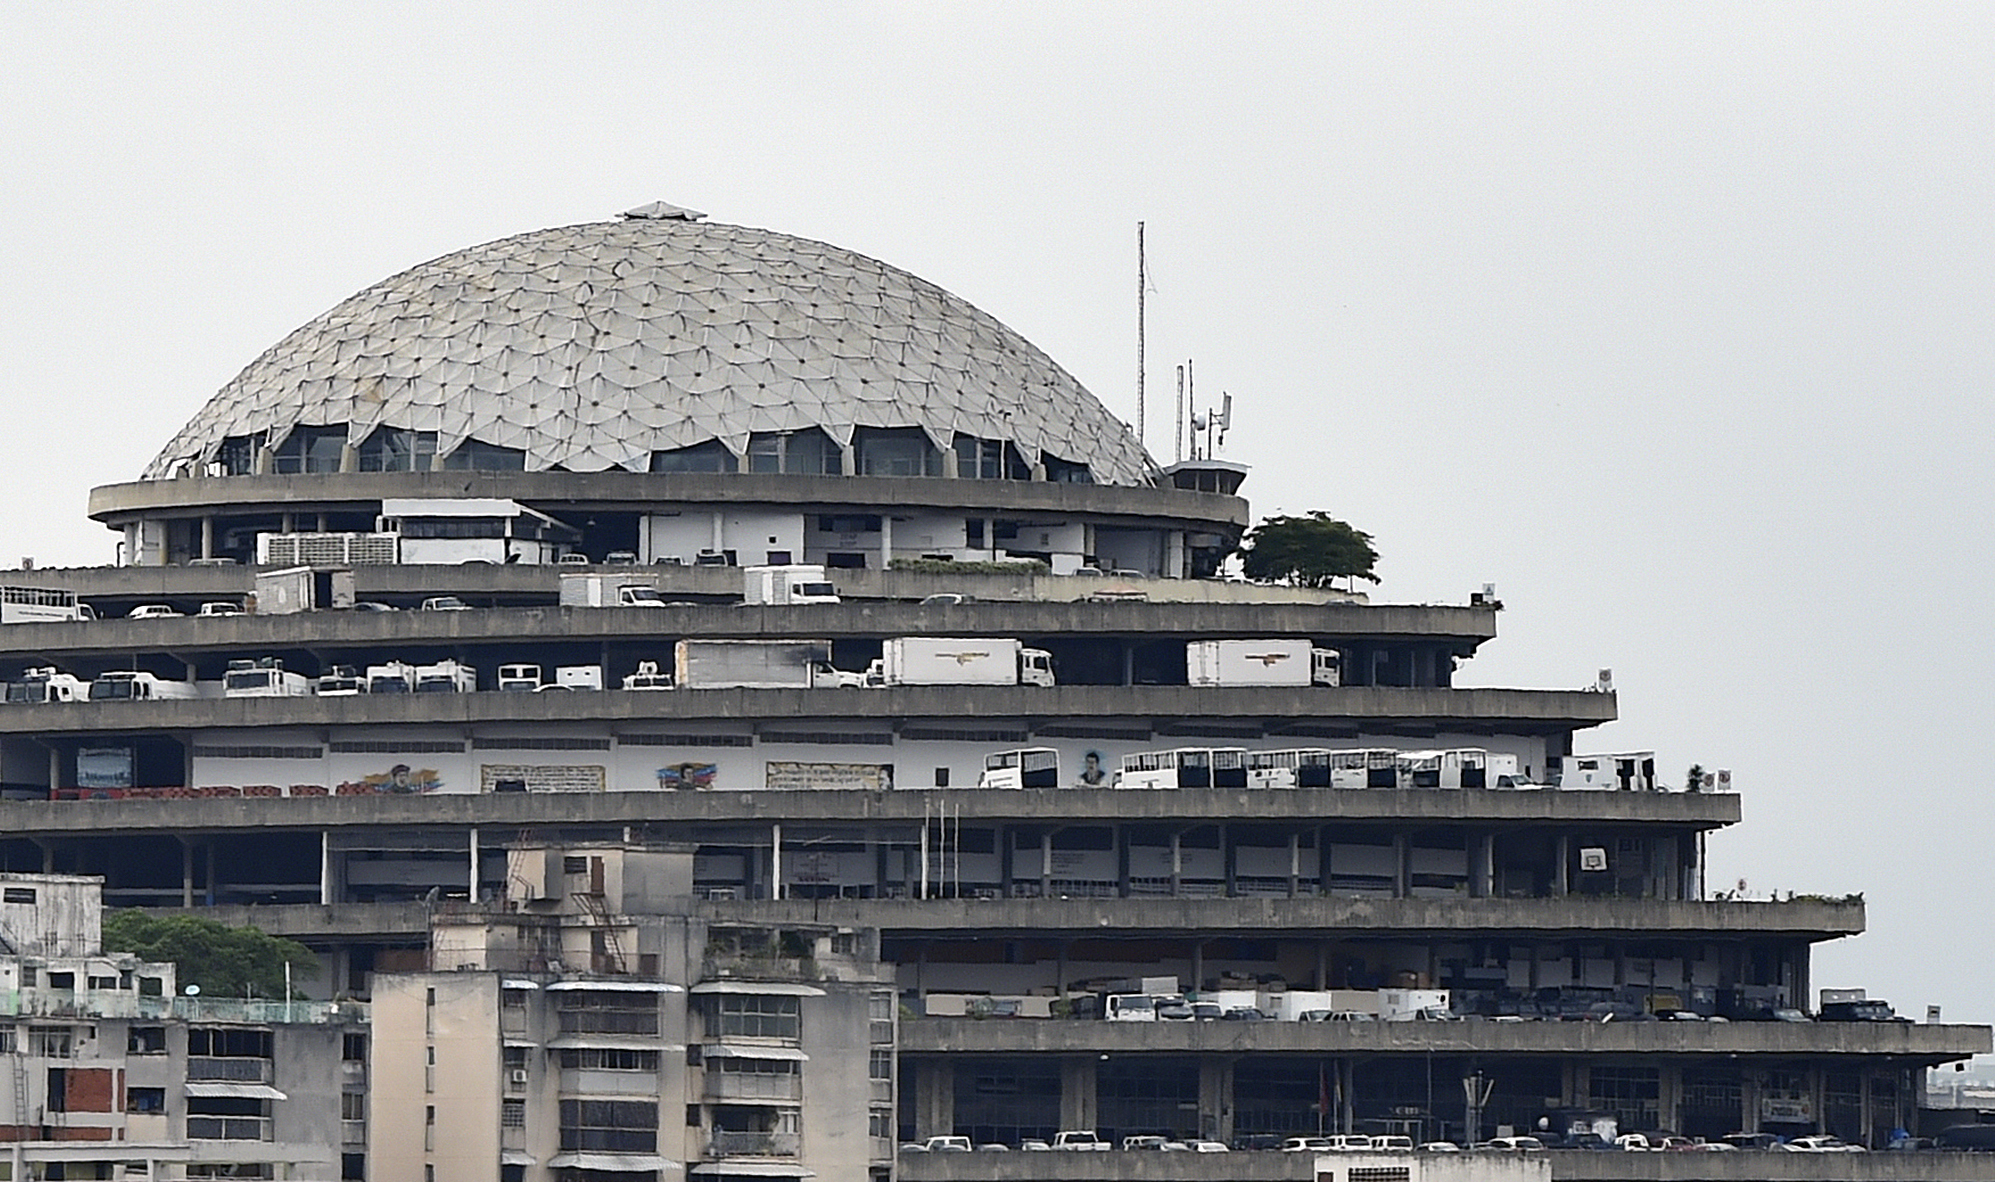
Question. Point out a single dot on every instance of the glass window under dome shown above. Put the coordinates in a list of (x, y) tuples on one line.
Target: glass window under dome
[(711, 456), (794, 453), (391, 449), (1061, 471), (237, 456), (895, 451), (311, 449), (475, 455), (989, 459)]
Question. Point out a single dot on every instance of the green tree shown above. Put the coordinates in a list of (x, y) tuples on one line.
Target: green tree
[(223, 961), (1310, 551)]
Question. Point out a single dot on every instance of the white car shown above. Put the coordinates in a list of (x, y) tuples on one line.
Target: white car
[(1207, 1147), (153, 611), (1819, 1145), (445, 603), (220, 608)]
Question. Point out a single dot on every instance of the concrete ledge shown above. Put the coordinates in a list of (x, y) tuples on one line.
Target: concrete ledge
[(1566, 1167), (937, 1036), (1475, 711), (510, 627), (1072, 805)]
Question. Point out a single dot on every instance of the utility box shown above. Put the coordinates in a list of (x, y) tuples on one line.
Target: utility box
[(303, 589)]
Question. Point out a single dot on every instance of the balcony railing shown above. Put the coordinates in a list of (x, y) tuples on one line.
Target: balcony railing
[(726, 1143), (233, 1070), (266, 1013), (228, 1128), (734, 1085)]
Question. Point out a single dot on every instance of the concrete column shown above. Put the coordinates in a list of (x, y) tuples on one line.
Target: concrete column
[(1046, 865), (1198, 964), (54, 771), (1177, 862), (1561, 860), (1128, 663), (1865, 1124), (886, 541), (1174, 555), (1226, 865), (1482, 865), (1749, 1096), (718, 533), (1803, 986), (1345, 1081), (266, 461), (1121, 862), (286, 524), (1323, 964), (1669, 1094), (848, 460), (1077, 1093), (935, 1098), (776, 859), (1295, 866), (186, 873), (211, 873), (1402, 862), (471, 887), (327, 897), (1060, 967), (349, 458), (207, 537), (1215, 1098)]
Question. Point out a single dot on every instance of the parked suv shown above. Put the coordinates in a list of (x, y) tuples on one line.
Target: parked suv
[(1083, 1140)]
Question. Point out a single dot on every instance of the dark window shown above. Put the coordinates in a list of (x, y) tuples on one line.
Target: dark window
[(711, 456), (17, 895), (751, 1016), (145, 1099), (989, 459), (796, 453), (353, 1048), (391, 449), (237, 456), (895, 451), (1061, 471), (311, 449), (611, 1126), (145, 1040), (475, 455)]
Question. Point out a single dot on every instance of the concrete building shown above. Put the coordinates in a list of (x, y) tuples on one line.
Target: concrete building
[(662, 401), (116, 1075)]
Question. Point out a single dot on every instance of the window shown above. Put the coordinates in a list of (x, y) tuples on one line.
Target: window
[(391, 449), (854, 523), (353, 1048), (754, 1016), (311, 449), (609, 1059), (17, 895), (989, 459), (515, 1058), (145, 1099), (585, 1011), (895, 451), (880, 1065), (353, 1106), (1061, 471), (51, 1042), (237, 456), (611, 1126), (62, 981), (250, 752), (797, 453), (147, 1040), (512, 1114), (475, 455), (711, 456), (880, 1122), (228, 1042)]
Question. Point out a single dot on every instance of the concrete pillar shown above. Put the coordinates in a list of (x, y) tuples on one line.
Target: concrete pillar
[(54, 771), (887, 540), (1865, 1123), (1177, 862), (1198, 964), (1128, 662), (1323, 964), (186, 873), (471, 887), (349, 458), (1046, 865), (935, 1098), (1669, 1094), (717, 533), (207, 537), (1295, 866), (776, 859), (1060, 967), (1561, 860), (1345, 1080), (1215, 1098), (1077, 1093), (1482, 865), (286, 523), (1226, 865), (211, 873), (1402, 862), (848, 460), (327, 896)]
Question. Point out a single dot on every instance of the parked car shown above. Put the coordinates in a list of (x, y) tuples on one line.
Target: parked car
[(1033, 1145), (369, 605), (153, 611), (220, 607), (1243, 1014), (947, 1144), (1133, 1143), (1203, 1146), (1080, 1140), (445, 603), (1437, 1147), (572, 559), (1336, 1016), (1206, 1011), (1392, 1144), (945, 599), (1306, 1145), (1512, 1144), (1752, 1140), (1819, 1145), (620, 558)]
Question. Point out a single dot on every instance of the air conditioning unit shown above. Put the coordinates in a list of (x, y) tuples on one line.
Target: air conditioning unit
[(517, 1077)]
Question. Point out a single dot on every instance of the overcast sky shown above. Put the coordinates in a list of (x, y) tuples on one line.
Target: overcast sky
[(1672, 321)]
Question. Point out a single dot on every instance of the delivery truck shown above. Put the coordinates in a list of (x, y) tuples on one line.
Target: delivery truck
[(624, 589), (952, 660), (265, 678), (1281, 661), (778, 585), (760, 664), (46, 683)]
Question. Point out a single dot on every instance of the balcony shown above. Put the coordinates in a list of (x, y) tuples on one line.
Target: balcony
[(228, 1128), (230, 1070), (734, 1085), (727, 1143)]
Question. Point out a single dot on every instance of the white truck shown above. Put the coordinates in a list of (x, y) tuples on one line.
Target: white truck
[(626, 589), (395, 677), (577, 677), (303, 589), (266, 678), (1028, 767), (948, 660), (38, 605), (127, 685), (1412, 1005), (46, 683), (647, 678), (777, 585), (526, 679), (760, 664), (446, 677), (519, 679), (1281, 661), (341, 681)]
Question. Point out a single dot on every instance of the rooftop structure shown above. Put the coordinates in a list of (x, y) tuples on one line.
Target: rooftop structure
[(887, 636)]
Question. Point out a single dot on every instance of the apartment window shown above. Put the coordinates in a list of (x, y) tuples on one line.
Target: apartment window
[(512, 1114), (62, 981), (609, 1126), (895, 451), (856, 523), (8, 1041), (754, 1016), (989, 459), (609, 1059), (237, 456), (144, 1040), (880, 1122), (353, 1106), (51, 1042), (353, 1048), (1061, 471), (429, 1128), (515, 1058), (604, 1012), (145, 1099), (880, 1065)]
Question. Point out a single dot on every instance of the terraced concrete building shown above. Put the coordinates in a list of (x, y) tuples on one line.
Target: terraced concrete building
[(693, 398)]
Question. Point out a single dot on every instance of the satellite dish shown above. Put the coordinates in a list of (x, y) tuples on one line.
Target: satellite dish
[(192, 991)]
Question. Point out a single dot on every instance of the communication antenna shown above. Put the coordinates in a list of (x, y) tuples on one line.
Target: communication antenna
[(1178, 440), (1142, 283)]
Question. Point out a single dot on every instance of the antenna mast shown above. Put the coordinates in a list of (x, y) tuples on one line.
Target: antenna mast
[(1178, 440), (1142, 281)]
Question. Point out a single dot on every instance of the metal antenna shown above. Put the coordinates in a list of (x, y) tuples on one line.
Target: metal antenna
[(1142, 282)]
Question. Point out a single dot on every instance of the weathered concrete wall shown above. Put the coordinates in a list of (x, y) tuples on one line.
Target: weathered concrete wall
[(1565, 1167)]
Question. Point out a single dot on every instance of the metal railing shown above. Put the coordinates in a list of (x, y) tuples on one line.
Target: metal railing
[(228, 1128), (726, 1143), (234, 1070), (734, 1085)]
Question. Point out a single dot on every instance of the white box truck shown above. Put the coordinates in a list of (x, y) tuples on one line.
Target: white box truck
[(446, 677), (394, 677), (577, 677), (303, 589), (37, 605), (125, 685), (624, 589), (955, 660), (1280, 661), (46, 683), (759, 664), (266, 678), (519, 679), (777, 585)]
